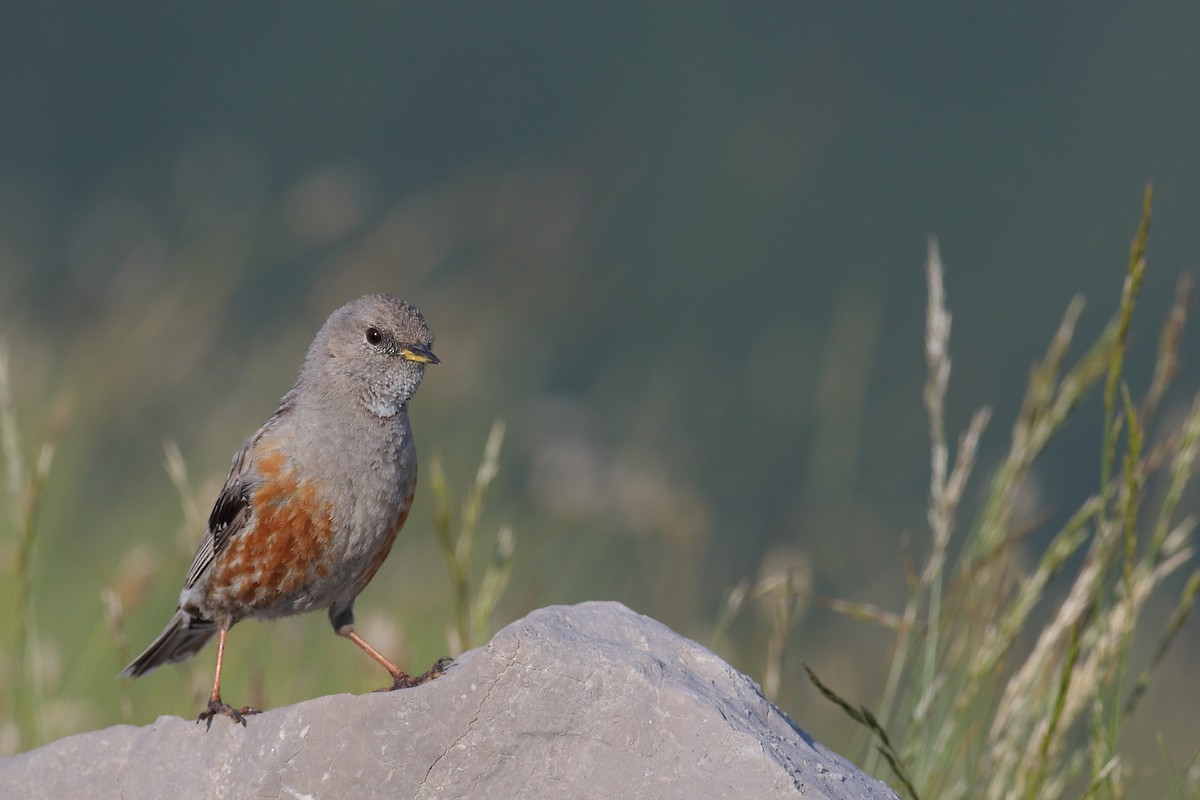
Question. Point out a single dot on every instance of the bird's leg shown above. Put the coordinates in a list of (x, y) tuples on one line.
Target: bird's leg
[(215, 704), (400, 678)]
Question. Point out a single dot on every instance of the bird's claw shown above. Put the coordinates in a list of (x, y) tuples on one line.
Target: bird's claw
[(406, 681), (215, 707)]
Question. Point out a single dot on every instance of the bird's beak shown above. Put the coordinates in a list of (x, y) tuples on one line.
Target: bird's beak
[(419, 353)]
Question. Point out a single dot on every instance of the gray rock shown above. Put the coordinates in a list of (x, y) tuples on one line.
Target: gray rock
[(587, 701)]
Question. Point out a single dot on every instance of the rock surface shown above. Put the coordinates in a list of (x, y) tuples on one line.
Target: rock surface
[(587, 701)]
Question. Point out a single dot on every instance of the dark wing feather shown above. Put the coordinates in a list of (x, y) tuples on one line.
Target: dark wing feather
[(232, 510), (229, 515)]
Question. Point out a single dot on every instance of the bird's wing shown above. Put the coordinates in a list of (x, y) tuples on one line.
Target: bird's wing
[(231, 513)]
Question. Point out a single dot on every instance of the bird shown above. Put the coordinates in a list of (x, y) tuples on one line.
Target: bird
[(314, 498)]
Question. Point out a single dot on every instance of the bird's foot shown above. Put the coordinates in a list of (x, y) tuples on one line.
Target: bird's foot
[(406, 681), (215, 707)]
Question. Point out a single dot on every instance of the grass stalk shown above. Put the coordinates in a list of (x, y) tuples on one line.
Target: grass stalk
[(471, 615), (25, 484), (1006, 697)]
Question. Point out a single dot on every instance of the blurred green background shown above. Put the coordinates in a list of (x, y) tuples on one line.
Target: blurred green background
[(678, 247)]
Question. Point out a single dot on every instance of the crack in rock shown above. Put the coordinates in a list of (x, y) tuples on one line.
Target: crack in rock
[(512, 660)]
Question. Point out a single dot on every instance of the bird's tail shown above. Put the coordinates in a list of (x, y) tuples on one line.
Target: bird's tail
[(184, 635)]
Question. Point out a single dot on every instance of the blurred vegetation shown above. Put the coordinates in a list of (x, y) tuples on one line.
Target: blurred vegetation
[(677, 254), (998, 688)]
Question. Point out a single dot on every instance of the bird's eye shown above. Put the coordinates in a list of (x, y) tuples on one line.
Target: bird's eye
[(374, 336)]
